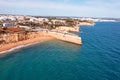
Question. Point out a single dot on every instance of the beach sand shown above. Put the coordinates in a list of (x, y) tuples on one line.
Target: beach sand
[(10, 46)]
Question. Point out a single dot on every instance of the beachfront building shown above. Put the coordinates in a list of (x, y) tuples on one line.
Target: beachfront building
[(3, 18), (12, 18), (25, 27), (20, 18), (7, 25)]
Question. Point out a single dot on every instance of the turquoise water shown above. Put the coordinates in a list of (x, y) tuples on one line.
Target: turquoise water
[(97, 59)]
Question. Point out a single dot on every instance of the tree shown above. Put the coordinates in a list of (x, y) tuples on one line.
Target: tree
[(45, 24), (70, 22)]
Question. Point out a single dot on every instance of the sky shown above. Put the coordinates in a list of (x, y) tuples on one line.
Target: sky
[(80, 8)]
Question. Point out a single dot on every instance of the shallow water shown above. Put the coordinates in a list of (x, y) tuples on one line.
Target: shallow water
[(97, 59)]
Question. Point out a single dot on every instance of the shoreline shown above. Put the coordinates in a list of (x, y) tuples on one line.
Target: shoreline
[(21, 44), (41, 37)]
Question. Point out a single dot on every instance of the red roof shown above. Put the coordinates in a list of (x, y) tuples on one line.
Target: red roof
[(15, 29)]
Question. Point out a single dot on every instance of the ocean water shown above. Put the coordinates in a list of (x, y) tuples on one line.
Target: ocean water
[(97, 59)]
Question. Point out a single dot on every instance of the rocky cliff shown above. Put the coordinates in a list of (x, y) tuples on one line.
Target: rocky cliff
[(15, 37)]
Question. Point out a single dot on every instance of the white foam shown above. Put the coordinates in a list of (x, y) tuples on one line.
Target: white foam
[(18, 47), (12, 49)]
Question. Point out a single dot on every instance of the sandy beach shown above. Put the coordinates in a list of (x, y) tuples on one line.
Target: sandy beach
[(9, 46)]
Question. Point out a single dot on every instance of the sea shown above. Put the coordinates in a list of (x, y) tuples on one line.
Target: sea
[(98, 58)]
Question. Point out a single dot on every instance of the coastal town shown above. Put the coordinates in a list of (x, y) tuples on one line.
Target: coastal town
[(16, 30)]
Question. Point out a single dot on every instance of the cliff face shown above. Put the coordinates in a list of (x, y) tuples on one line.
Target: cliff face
[(15, 37), (66, 37), (8, 37), (21, 36), (64, 28), (86, 24)]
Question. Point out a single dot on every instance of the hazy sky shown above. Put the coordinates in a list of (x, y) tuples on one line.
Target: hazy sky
[(82, 8)]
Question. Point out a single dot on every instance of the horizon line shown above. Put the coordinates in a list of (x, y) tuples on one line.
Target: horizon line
[(55, 16)]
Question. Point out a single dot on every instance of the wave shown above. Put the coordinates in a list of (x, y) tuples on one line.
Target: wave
[(12, 49), (18, 47)]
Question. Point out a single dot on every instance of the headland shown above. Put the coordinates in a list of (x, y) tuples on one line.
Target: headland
[(18, 31)]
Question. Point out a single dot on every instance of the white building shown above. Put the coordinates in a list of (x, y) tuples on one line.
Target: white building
[(25, 27), (3, 17), (13, 18), (8, 25)]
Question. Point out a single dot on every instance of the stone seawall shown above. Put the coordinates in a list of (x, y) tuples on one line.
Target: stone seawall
[(66, 37)]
